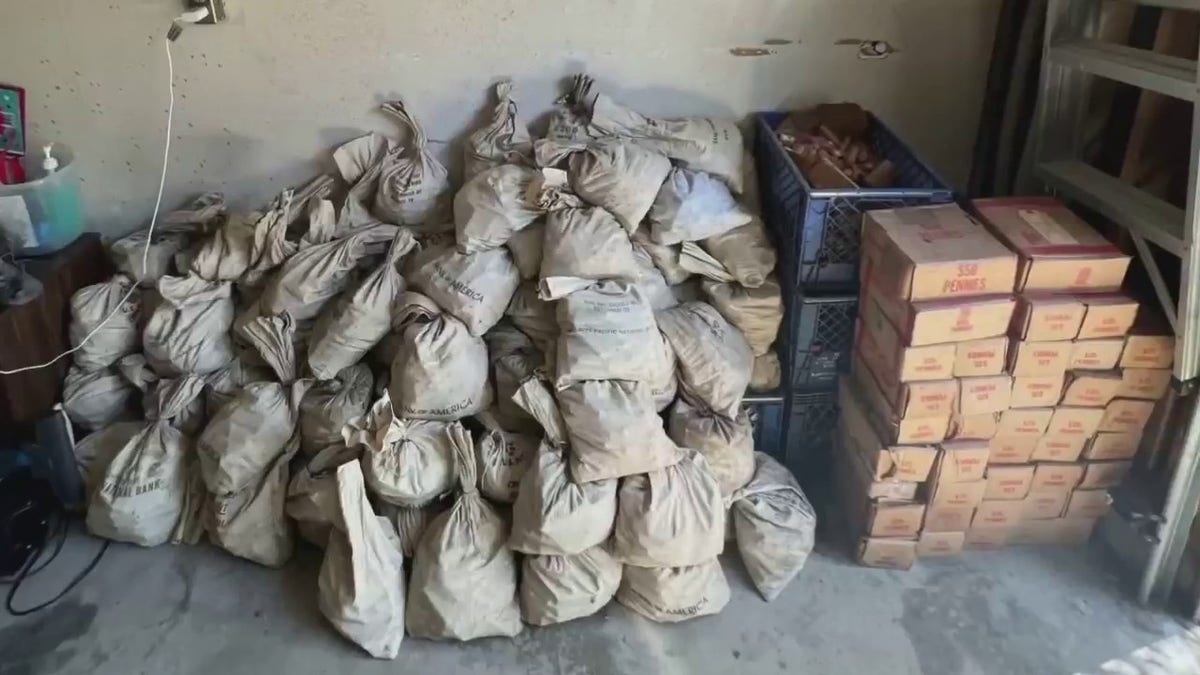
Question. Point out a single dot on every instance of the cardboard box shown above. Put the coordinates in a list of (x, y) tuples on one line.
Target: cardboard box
[(1103, 474), (931, 398), (899, 462), (1047, 318), (932, 544), (884, 519), (892, 428), (1151, 342), (1148, 351), (1109, 315), (1071, 421), (878, 343), (1039, 359), (980, 395), (893, 554), (1109, 446), (1024, 421), (1101, 354), (1058, 250), (1150, 384), (858, 484), (933, 252), (974, 427), (1056, 475), (1042, 504), (948, 518), (961, 462), (1059, 448), (1040, 391), (1012, 449), (986, 538), (1088, 504), (1001, 514), (979, 358), (964, 495), (1091, 388), (1007, 483), (1126, 415), (933, 322), (880, 489)]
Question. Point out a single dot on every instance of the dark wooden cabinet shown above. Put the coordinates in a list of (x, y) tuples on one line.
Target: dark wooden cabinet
[(37, 331)]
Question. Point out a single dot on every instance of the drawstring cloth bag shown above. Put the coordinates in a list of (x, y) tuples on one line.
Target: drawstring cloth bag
[(189, 330), (312, 495), (406, 462), (553, 513), (775, 526), (493, 206), (96, 399), (360, 319), (328, 406), (698, 143), (674, 594), (514, 359), (559, 588), (673, 517), (464, 577), (252, 523), (90, 306), (360, 588), (141, 495), (583, 246), (608, 333), (440, 371), (692, 206), (614, 430), (247, 434), (413, 187), (715, 361), (726, 443), (504, 457), (315, 275), (502, 140), (474, 288), (756, 312)]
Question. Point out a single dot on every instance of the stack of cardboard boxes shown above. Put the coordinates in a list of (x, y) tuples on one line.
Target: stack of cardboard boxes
[(995, 393)]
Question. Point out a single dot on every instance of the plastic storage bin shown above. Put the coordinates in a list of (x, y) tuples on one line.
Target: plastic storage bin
[(819, 337), (766, 413), (817, 231), (811, 427), (44, 214)]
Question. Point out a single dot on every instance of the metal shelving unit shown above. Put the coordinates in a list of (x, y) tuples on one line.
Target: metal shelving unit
[(1072, 55)]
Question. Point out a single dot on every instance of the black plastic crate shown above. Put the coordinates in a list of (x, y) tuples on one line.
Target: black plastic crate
[(767, 416), (819, 339), (818, 231), (811, 425)]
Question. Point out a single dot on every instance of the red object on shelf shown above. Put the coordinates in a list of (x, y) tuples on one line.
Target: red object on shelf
[(11, 171), (13, 138)]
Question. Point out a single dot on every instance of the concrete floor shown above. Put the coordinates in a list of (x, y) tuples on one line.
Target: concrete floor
[(197, 610)]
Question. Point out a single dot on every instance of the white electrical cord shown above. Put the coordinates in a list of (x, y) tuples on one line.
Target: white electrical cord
[(162, 182)]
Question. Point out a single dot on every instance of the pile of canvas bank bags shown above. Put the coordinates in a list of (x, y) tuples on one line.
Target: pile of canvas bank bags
[(499, 405)]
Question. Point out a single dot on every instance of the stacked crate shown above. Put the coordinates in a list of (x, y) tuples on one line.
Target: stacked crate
[(817, 233), (927, 381)]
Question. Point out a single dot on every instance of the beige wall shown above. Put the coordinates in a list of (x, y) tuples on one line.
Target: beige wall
[(261, 99)]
